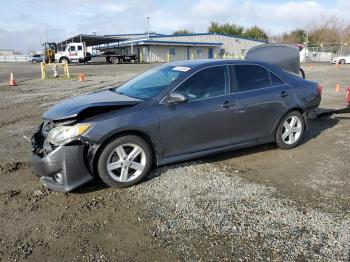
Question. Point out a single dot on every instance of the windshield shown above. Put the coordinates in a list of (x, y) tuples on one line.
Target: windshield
[(152, 82)]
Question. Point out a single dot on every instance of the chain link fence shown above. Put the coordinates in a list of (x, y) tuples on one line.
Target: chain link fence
[(323, 53), (14, 58)]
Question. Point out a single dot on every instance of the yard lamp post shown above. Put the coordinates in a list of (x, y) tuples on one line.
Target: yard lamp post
[(342, 41), (147, 27), (47, 35)]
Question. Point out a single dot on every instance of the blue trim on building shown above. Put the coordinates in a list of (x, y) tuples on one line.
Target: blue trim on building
[(146, 41), (145, 34), (156, 35), (183, 43), (195, 34)]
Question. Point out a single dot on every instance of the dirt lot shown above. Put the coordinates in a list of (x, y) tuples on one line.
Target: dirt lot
[(255, 204)]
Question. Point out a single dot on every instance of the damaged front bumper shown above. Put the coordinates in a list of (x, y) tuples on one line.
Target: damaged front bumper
[(63, 168)]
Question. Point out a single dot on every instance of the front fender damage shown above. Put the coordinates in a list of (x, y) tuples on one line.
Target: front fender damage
[(64, 168)]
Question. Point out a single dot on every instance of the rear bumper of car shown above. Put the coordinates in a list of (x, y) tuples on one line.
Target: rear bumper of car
[(63, 169), (311, 113)]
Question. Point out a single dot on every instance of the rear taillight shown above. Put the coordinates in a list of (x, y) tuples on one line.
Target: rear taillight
[(347, 96), (319, 89)]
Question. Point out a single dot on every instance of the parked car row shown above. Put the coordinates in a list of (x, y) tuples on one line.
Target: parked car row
[(36, 58)]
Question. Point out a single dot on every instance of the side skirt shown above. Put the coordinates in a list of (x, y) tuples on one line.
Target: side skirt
[(173, 159)]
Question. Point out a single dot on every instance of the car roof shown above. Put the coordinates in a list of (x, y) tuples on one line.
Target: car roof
[(208, 62)]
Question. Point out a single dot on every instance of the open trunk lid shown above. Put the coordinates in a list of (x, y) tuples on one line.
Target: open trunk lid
[(285, 56)]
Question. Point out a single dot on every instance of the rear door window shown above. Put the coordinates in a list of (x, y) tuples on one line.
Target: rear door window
[(209, 82), (249, 77), (275, 80)]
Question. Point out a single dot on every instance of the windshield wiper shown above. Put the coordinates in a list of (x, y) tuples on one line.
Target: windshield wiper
[(114, 90), (122, 93)]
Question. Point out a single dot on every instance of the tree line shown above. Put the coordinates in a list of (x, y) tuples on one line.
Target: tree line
[(232, 29), (323, 31)]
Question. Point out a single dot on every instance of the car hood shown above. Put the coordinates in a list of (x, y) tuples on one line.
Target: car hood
[(74, 106)]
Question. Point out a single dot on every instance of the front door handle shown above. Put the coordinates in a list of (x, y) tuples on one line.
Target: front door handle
[(228, 104), (284, 94)]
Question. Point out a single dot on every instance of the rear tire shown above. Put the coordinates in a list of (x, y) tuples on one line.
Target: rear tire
[(115, 60), (290, 130), (34, 61), (125, 161), (342, 62)]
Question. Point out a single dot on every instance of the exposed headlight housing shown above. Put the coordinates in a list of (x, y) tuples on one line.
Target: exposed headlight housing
[(62, 135)]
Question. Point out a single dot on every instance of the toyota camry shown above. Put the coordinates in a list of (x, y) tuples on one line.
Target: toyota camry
[(170, 113)]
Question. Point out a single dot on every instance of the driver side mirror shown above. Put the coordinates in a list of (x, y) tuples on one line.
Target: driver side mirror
[(175, 98)]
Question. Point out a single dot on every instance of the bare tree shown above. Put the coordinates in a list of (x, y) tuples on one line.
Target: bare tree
[(347, 35), (326, 30), (297, 36)]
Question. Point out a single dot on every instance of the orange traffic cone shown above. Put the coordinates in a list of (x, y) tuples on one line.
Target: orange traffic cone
[(337, 88), (12, 80), (337, 65), (310, 66), (81, 78)]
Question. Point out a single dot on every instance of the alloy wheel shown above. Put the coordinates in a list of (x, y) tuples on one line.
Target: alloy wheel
[(292, 130), (126, 163)]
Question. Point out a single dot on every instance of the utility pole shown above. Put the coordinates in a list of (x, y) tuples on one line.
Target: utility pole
[(40, 43), (47, 36), (342, 41), (306, 45), (148, 27)]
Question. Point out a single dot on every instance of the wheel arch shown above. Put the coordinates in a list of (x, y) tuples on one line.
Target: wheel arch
[(112, 137), (299, 109), (63, 57)]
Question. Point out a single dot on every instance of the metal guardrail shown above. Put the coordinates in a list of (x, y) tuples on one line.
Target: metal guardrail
[(14, 58)]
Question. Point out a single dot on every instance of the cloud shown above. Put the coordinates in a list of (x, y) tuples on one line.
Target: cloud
[(286, 16), (112, 7), (211, 9), (65, 19)]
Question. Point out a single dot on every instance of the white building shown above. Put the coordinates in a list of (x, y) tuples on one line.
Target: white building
[(167, 48), (7, 52)]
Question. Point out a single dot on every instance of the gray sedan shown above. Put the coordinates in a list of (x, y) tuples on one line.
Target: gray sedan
[(173, 112)]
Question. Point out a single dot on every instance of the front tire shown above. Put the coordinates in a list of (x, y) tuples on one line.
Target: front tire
[(290, 130), (342, 62), (64, 60), (125, 161)]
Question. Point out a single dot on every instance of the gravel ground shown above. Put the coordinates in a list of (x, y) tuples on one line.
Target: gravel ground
[(256, 204), (208, 212)]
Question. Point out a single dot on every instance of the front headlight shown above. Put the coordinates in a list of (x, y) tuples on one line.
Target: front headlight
[(62, 135)]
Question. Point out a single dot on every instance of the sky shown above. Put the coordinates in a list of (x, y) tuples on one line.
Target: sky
[(23, 22)]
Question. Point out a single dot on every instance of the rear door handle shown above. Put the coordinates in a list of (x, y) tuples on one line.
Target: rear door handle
[(283, 94), (228, 104)]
